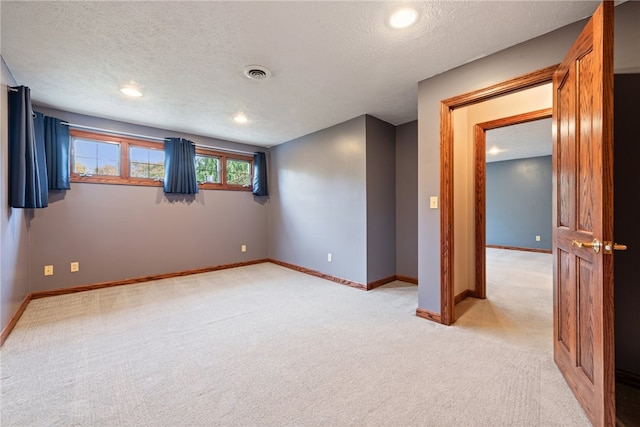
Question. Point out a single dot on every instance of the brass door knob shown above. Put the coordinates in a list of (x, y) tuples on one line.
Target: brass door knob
[(595, 245)]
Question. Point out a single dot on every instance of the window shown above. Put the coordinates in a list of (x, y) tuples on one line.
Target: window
[(208, 169), (238, 172), (96, 157), (223, 171), (112, 159), (146, 162)]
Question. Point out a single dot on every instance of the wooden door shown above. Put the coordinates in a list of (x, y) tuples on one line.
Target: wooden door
[(583, 218)]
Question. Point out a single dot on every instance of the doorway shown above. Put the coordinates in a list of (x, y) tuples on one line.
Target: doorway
[(469, 123), (447, 109), (510, 144)]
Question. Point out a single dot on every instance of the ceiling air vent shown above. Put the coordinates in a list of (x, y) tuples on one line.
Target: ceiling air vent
[(257, 72)]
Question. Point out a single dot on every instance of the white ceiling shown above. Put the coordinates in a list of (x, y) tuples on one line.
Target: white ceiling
[(532, 139), (331, 60)]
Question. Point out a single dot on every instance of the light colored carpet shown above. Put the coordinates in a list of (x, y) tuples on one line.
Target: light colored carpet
[(267, 346)]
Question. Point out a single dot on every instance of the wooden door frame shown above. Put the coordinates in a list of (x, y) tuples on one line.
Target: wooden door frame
[(447, 106), (480, 184)]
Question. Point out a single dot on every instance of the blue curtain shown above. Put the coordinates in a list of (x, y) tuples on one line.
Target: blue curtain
[(56, 144), (28, 187), (260, 174), (180, 166)]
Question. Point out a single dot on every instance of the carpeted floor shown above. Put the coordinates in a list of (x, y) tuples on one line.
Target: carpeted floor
[(267, 346)]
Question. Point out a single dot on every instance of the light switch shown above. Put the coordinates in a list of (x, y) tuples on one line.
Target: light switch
[(433, 202)]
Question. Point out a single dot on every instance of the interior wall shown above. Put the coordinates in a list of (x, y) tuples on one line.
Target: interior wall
[(118, 232), (626, 226), (14, 257), (318, 201), (464, 120), (521, 59), (518, 203), (407, 200), (464, 204), (381, 199)]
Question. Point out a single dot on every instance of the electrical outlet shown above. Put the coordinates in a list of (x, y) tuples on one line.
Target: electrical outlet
[(329, 257), (243, 248), (48, 270), (75, 266), (537, 238)]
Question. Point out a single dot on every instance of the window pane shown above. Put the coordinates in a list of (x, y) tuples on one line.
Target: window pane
[(208, 169), (96, 158), (238, 172), (146, 162)]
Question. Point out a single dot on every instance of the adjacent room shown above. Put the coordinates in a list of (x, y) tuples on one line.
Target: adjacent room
[(288, 214)]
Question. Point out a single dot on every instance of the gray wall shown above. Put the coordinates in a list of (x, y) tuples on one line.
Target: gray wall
[(333, 191), (381, 199), (519, 203), (118, 232), (626, 226), (407, 200), (524, 58), (14, 243), (318, 201)]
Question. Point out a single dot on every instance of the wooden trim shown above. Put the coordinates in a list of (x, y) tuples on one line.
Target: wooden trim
[(517, 248), (429, 315), (536, 78), (628, 378), (380, 282), (464, 295), (407, 279), (319, 274), (76, 289), (480, 183), (446, 215), (530, 116), (369, 286), (14, 319)]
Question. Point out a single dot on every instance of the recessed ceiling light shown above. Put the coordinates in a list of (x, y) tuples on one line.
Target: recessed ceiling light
[(240, 118), (403, 18), (129, 91), (494, 150)]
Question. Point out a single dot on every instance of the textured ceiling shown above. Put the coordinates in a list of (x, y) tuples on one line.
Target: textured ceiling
[(331, 61), (520, 141)]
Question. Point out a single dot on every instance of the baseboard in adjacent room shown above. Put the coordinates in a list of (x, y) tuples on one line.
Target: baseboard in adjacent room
[(464, 294), (517, 248)]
